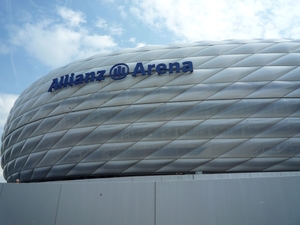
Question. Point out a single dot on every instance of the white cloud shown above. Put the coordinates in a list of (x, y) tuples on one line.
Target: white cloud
[(137, 45), (2, 180), (122, 11), (101, 23), (193, 20), (107, 1), (132, 39), (116, 30), (141, 44), (56, 44), (112, 29), (73, 18), (6, 103)]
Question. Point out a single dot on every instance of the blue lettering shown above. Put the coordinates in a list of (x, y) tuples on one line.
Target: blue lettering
[(100, 74), (79, 79), (60, 84), (139, 68), (187, 66), (171, 66), (53, 85), (150, 68), (161, 68), (66, 81), (118, 72), (89, 77), (71, 80)]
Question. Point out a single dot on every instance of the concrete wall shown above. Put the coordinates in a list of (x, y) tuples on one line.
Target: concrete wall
[(261, 198)]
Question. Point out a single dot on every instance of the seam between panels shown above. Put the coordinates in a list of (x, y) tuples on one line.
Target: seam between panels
[(58, 200), (155, 202)]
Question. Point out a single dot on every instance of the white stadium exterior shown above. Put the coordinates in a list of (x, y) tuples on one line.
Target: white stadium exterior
[(230, 106), (202, 133)]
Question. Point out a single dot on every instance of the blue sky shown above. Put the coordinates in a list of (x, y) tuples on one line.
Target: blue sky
[(38, 36)]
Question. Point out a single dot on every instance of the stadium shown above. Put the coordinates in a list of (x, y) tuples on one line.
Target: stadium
[(234, 107), (226, 109)]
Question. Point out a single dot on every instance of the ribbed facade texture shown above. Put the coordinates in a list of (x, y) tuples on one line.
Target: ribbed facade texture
[(237, 111)]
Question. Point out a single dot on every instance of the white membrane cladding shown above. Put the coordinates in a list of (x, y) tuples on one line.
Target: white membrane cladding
[(237, 111)]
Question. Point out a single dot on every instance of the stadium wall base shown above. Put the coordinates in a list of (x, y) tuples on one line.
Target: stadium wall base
[(242, 198)]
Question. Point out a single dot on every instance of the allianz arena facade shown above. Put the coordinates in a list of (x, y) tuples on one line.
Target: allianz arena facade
[(214, 107)]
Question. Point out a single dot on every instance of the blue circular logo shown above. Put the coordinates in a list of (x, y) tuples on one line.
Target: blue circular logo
[(119, 71)]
